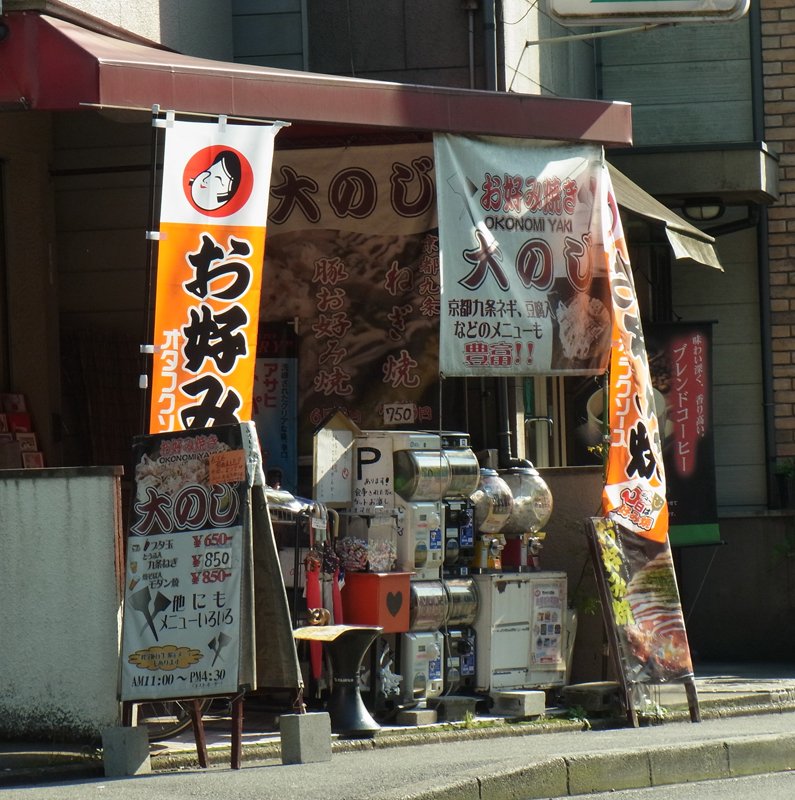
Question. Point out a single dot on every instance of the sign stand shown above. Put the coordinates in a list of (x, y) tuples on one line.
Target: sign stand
[(612, 634), (237, 731), (612, 585), (190, 624), (198, 732)]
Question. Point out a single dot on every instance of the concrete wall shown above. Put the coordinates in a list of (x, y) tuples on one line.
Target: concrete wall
[(270, 33), (687, 84), (193, 27), (739, 598), (731, 299), (564, 69), (410, 41), (576, 495), (60, 625)]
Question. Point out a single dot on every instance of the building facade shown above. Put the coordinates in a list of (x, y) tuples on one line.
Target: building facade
[(711, 109)]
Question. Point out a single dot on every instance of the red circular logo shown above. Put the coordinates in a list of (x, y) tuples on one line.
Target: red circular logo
[(217, 181)]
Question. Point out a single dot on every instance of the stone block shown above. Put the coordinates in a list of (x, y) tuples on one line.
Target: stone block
[(305, 738), (774, 753), (417, 716), (607, 772), (697, 762), (452, 707), (519, 704), (125, 751), (598, 696)]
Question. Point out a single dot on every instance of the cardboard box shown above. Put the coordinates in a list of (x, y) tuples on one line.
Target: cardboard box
[(377, 598)]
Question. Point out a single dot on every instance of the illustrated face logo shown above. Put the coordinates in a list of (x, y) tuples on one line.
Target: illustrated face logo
[(218, 181)]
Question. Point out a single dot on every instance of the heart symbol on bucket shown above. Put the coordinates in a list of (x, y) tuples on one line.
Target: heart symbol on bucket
[(394, 602)]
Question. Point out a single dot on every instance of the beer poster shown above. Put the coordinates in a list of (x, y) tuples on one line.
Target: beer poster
[(216, 181), (187, 627)]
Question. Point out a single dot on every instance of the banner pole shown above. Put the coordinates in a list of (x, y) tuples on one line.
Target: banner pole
[(151, 266)]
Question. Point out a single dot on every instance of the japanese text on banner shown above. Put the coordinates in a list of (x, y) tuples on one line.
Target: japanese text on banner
[(634, 492), (216, 183), (524, 287)]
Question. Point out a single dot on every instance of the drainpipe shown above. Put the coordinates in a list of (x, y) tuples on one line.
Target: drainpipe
[(763, 257), (471, 6), (490, 45), (506, 458)]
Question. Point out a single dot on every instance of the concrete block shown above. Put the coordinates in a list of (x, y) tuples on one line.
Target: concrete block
[(454, 707), (607, 772), (416, 716), (519, 704), (543, 780), (698, 762), (599, 696), (773, 753), (125, 751), (305, 738)]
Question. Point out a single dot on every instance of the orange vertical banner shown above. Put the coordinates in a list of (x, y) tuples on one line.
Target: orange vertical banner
[(634, 492), (216, 183)]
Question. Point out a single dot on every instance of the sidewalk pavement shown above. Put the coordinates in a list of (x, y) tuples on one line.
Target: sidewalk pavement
[(745, 731)]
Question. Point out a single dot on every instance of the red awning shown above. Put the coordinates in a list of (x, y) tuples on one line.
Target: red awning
[(50, 65)]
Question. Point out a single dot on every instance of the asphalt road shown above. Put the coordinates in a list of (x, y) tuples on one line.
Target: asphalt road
[(453, 769)]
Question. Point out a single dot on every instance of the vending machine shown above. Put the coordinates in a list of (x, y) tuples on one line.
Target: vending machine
[(521, 631), (459, 635), (459, 515)]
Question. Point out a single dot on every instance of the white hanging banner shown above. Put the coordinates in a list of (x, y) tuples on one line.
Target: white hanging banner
[(524, 286)]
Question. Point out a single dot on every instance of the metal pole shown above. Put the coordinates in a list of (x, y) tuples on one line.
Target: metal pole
[(151, 267)]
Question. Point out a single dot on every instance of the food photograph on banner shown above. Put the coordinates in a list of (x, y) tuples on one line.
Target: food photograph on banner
[(644, 605)]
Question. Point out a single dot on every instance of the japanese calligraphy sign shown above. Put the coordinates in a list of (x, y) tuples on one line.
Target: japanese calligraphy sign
[(524, 285), (353, 254), (634, 492), (186, 629), (216, 181), (680, 355), (640, 601)]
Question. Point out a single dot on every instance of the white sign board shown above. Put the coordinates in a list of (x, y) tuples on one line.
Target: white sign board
[(640, 12), (186, 625), (524, 278), (333, 463)]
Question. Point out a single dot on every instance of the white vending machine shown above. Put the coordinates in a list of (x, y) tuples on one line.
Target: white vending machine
[(521, 631)]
